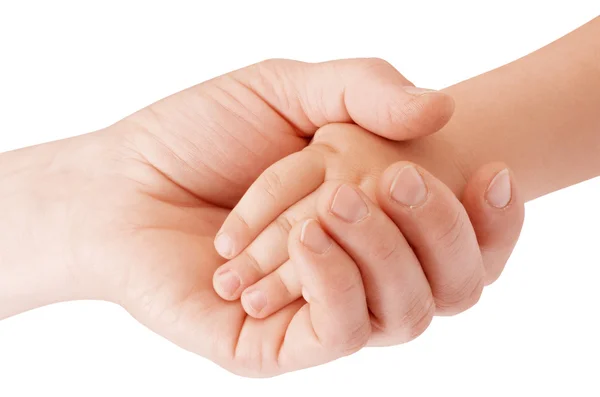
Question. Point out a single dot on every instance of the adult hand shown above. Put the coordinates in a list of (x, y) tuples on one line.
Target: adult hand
[(129, 213), (380, 281), (214, 139)]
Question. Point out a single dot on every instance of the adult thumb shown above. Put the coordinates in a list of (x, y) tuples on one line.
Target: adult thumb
[(369, 92)]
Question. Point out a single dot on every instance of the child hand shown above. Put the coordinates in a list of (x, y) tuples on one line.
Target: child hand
[(339, 157)]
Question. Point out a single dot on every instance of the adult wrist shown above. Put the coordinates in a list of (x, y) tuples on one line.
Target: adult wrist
[(39, 190)]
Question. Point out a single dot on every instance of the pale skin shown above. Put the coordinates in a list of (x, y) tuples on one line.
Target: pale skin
[(343, 163), (129, 214), (539, 115)]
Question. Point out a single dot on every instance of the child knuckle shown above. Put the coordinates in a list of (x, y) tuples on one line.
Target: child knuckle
[(271, 184), (284, 223)]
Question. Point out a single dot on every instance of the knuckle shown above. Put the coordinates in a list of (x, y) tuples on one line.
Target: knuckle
[(271, 184), (457, 297), (272, 68), (251, 365), (338, 138), (323, 148), (418, 317), (253, 264), (347, 339), (273, 78), (270, 62), (448, 236), (284, 223), (374, 63), (285, 284), (249, 358), (452, 231), (412, 322), (241, 220), (326, 140), (340, 289), (343, 283), (385, 250)]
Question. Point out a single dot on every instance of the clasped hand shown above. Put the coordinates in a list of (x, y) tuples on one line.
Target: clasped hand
[(333, 200)]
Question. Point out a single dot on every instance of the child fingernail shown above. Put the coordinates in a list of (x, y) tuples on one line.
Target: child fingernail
[(499, 192), (224, 245), (228, 283), (256, 300), (348, 205), (314, 238), (408, 187)]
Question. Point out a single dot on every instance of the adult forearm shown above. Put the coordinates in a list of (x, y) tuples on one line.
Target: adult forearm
[(37, 186), (539, 114)]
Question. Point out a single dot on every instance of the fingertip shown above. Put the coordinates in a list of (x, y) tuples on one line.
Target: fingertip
[(389, 183), (226, 283), (326, 197), (415, 112), (314, 238), (497, 212), (254, 301), (499, 190), (492, 188), (426, 113), (391, 107), (225, 245), (233, 236)]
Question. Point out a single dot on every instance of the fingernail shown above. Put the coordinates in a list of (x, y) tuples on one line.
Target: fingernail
[(408, 187), (314, 238), (348, 205), (229, 282), (416, 91), (498, 193), (256, 300), (224, 245)]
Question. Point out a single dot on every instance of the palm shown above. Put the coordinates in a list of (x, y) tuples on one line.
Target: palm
[(185, 161), (171, 203)]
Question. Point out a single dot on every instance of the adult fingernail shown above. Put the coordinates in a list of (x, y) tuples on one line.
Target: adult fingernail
[(499, 192), (416, 91), (228, 283), (408, 187), (256, 300), (224, 245), (314, 238), (348, 205)]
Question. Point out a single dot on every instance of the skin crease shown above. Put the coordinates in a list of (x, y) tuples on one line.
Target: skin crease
[(128, 214), (124, 231), (538, 114), (350, 155)]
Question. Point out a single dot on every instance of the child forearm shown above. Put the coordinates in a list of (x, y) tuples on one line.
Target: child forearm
[(539, 114)]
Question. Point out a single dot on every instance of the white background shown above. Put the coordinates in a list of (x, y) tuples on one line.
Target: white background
[(67, 69)]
